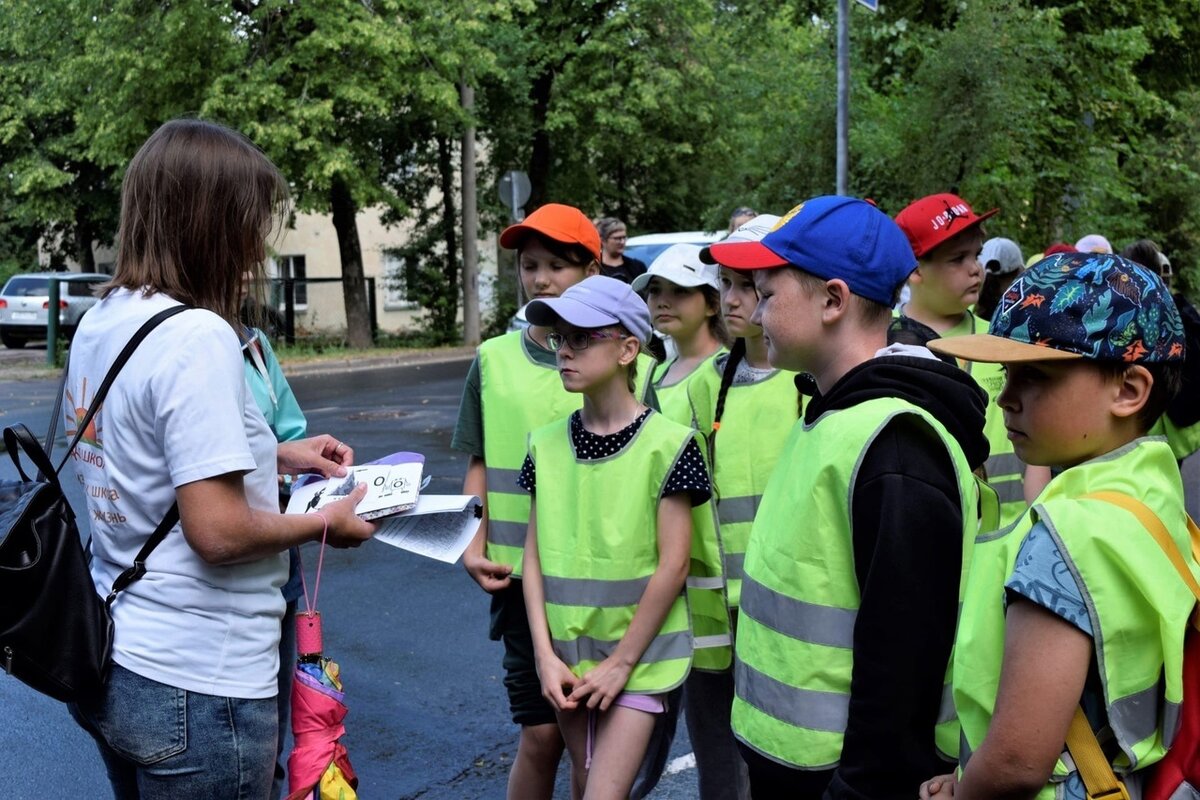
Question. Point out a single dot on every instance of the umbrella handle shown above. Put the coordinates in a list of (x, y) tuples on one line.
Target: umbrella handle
[(310, 608)]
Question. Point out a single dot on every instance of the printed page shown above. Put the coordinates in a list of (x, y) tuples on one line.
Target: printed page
[(440, 527)]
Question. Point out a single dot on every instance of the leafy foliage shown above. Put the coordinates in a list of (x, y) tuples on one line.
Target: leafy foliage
[(1072, 117)]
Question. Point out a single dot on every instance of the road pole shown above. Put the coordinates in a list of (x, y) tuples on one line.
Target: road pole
[(843, 96), (470, 226), (52, 323)]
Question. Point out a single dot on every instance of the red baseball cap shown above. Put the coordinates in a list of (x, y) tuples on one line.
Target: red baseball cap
[(932, 220), (565, 224)]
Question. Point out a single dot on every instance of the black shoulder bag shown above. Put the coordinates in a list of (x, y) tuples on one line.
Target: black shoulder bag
[(56, 633)]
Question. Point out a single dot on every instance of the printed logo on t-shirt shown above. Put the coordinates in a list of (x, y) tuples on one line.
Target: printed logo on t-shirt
[(75, 413)]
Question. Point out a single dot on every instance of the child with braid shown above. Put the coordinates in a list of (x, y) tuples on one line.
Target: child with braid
[(746, 409)]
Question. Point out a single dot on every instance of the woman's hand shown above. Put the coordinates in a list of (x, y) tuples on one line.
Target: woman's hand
[(556, 677), (603, 682), (939, 788), (346, 529), (323, 454)]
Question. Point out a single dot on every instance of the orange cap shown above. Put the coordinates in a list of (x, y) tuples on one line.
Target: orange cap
[(565, 224)]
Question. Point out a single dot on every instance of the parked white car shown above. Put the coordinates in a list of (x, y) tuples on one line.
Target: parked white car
[(649, 246), (25, 304)]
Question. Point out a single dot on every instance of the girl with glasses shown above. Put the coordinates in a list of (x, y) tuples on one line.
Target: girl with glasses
[(617, 493), (512, 388)]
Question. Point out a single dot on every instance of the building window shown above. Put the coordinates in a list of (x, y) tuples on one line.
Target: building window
[(293, 267), (398, 274)]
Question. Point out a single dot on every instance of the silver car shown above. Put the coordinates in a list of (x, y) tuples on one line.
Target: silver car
[(25, 304)]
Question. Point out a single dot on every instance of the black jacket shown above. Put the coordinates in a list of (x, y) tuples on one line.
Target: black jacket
[(907, 537)]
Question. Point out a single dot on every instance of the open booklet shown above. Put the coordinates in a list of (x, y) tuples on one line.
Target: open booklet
[(393, 483), (435, 526)]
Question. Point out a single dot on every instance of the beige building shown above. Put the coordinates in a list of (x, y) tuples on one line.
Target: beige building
[(310, 250)]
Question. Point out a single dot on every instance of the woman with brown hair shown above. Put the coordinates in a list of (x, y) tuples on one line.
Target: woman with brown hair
[(189, 707), (613, 261)]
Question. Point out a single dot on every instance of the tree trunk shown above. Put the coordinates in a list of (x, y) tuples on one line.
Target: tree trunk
[(85, 234), (448, 315), (470, 213), (539, 156), (354, 286)]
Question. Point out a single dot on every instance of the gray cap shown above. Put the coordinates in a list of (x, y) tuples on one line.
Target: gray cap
[(1001, 256), (595, 302)]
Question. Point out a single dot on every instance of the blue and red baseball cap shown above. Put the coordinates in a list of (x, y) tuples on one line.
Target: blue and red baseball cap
[(1096, 306), (833, 238)]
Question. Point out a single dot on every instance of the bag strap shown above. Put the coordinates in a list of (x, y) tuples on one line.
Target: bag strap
[(52, 429), (122, 357), (41, 456), (1158, 530), (139, 561), (1099, 780), (1094, 769)]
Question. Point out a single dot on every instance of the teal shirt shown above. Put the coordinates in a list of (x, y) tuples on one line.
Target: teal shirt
[(271, 390)]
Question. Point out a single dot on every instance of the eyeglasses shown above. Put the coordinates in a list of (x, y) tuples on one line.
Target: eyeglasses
[(577, 340)]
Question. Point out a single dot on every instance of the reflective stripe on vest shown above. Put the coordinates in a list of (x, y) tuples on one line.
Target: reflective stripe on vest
[(707, 601), (796, 630), (1138, 617), (585, 649), (517, 395), (598, 548)]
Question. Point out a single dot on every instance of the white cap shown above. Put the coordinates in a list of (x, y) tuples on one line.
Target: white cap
[(681, 265), (751, 231)]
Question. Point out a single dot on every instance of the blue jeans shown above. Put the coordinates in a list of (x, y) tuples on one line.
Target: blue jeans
[(161, 742)]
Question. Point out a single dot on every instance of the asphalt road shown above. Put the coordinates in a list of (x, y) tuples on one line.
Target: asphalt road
[(428, 712)]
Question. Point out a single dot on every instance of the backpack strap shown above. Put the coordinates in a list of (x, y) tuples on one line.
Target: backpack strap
[(172, 516), (1094, 769), (138, 569), (1099, 780), (1155, 527), (113, 371)]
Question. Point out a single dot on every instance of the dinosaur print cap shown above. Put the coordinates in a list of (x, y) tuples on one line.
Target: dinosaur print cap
[(1097, 306)]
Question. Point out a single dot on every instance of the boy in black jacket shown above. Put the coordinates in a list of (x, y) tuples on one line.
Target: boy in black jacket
[(852, 572)]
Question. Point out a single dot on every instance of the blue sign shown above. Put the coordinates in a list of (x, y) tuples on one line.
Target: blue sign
[(871, 4)]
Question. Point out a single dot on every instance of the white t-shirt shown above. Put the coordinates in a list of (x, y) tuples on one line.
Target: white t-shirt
[(179, 412)]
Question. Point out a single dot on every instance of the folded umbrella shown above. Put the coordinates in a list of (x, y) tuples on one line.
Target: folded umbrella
[(319, 766)]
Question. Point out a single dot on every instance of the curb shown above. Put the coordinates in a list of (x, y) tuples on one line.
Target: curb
[(32, 372), (336, 365)]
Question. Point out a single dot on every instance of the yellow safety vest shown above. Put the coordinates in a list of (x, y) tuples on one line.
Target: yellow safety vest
[(795, 634), (598, 547), (755, 425), (673, 400), (1138, 608), (519, 394)]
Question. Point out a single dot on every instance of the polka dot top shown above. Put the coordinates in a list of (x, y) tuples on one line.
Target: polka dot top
[(689, 474)]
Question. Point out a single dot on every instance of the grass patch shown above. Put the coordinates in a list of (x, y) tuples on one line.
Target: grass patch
[(321, 348)]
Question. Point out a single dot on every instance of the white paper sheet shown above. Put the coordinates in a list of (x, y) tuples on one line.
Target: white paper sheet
[(440, 527)]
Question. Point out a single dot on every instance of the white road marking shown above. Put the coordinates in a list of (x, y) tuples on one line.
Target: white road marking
[(680, 764)]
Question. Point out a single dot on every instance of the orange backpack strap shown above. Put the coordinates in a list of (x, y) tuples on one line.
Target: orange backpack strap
[(1155, 527)]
